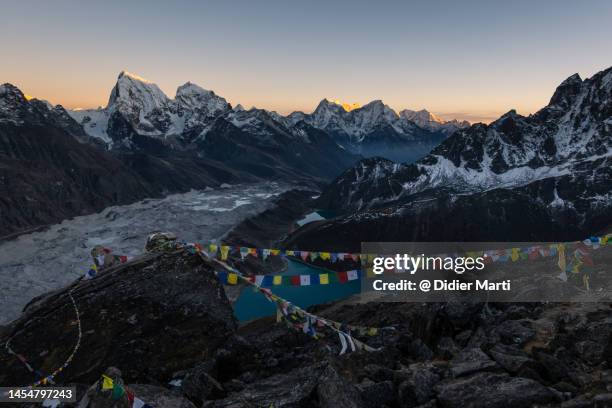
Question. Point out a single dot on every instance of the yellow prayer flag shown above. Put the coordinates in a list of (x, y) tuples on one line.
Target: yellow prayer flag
[(107, 383), (515, 254), (325, 255), (289, 252), (213, 248), (232, 279), (561, 263), (224, 252), (277, 280), (324, 278), (275, 252)]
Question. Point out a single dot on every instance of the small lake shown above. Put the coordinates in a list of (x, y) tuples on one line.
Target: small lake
[(252, 305)]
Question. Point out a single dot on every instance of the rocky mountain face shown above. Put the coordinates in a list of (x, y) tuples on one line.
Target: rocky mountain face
[(546, 176), (47, 173), (377, 130), (139, 117)]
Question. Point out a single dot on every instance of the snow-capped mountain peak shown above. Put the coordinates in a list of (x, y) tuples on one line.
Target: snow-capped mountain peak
[(421, 117), (132, 90), (192, 96), (427, 120)]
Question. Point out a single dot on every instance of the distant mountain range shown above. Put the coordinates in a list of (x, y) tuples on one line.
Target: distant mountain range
[(543, 177), (377, 130), (140, 116)]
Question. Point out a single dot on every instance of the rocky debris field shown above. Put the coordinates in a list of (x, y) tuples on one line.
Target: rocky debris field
[(164, 322)]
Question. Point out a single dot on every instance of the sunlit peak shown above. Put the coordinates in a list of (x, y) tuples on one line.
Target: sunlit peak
[(134, 76), (347, 106)]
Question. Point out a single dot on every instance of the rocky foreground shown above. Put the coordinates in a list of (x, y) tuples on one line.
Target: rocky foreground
[(164, 319)]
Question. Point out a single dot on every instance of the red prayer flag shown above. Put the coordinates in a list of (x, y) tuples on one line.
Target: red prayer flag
[(342, 277), (295, 280)]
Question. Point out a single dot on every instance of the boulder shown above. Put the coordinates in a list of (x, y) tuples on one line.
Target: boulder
[(418, 388), (150, 317), (510, 358), (297, 388), (334, 391), (470, 361), (489, 390)]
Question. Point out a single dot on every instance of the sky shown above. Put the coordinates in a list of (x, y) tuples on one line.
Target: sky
[(471, 60)]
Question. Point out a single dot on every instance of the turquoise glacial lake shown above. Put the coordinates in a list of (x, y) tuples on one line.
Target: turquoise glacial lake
[(252, 304)]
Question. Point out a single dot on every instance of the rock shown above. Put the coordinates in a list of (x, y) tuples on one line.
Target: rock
[(510, 358), (199, 384), (603, 400), (419, 388), (463, 337), (516, 332), (419, 350), (447, 348), (334, 391), (159, 396), (554, 369), (182, 314), (489, 390), (296, 388), (582, 401), (378, 373), (470, 361), (375, 395)]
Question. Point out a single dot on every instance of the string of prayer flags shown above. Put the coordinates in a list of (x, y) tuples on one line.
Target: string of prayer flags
[(49, 379), (268, 281), (300, 319), (504, 255)]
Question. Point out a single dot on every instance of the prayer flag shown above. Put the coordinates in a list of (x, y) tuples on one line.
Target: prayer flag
[(232, 279), (324, 279), (304, 280), (352, 275), (107, 383), (224, 252)]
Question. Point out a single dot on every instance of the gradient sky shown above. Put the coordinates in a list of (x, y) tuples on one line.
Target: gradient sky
[(464, 59)]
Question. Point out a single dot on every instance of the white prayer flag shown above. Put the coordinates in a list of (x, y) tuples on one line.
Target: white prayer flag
[(138, 403), (304, 280)]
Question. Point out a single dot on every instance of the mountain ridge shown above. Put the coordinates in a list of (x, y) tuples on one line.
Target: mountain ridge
[(139, 104), (556, 163)]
